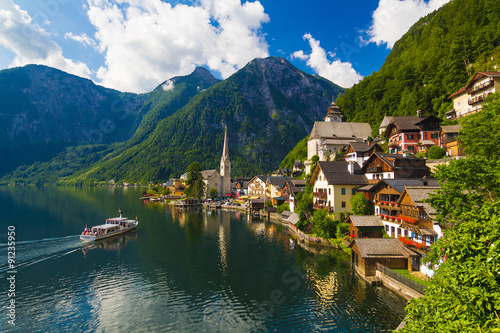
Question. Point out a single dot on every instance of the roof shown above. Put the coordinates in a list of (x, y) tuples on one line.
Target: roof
[(382, 247), (408, 124), (451, 128), (328, 129), (340, 142), (386, 121), (400, 183), (277, 181), (461, 90), (207, 173), (337, 173), (481, 74), (419, 193), (397, 161), (260, 177), (363, 147), (293, 218), (366, 221), (426, 143)]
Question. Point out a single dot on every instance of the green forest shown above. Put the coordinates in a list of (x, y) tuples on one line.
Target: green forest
[(435, 58)]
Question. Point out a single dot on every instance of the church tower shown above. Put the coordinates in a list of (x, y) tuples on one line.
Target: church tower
[(333, 113), (225, 168)]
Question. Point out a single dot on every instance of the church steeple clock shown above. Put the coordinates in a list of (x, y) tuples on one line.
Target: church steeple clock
[(333, 113)]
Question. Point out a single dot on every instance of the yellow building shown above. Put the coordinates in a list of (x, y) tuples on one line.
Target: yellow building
[(334, 184), (469, 99)]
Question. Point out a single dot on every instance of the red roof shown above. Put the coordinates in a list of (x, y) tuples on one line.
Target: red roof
[(458, 92)]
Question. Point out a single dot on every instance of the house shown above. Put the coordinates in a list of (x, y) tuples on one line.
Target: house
[(390, 252), (387, 193), (176, 187), (449, 143), (257, 186), (460, 104), (413, 134), (212, 179), (294, 187), (416, 216), (365, 226), (275, 189), (334, 183), (292, 221), (392, 166), (329, 137), (298, 166), (360, 151), (469, 99)]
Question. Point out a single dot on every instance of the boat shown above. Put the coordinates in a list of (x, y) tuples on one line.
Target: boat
[(112, 227)]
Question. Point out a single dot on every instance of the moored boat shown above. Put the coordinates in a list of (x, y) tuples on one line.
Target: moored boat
[(112, 227)]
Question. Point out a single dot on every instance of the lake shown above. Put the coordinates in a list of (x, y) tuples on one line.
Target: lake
[(182, 271)]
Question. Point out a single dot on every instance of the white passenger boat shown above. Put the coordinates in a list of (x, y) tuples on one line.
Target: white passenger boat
[(112, 227)]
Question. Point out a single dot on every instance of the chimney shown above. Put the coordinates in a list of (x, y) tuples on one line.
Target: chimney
[(419, 113), (350, 167)]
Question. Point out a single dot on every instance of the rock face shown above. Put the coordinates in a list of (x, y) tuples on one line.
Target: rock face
[(268, 106), (43, 110)]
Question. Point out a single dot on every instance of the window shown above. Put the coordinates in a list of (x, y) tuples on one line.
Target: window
[(411, 148), (329, 191), (342, 191), (353, 191), (343, 204), (409, 136), (434, 135)]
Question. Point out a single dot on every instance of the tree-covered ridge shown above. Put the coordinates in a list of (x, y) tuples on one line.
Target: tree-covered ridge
[(299, 152), (435, 58)]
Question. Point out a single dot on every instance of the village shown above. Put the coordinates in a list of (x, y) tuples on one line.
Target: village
[(393, 173)]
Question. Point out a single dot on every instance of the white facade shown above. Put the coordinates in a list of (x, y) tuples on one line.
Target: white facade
[(257, 187)]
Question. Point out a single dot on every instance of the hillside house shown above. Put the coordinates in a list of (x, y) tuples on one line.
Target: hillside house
[(359, 152), (413, 134), (294, 187), (393, 166), (449, 143), (334, 184), (469, 99), (275, 189)]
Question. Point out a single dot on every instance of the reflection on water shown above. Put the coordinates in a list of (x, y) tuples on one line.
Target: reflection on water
[(183, 270)]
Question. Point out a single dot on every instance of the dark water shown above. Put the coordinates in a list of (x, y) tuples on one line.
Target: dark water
[(182, 271)]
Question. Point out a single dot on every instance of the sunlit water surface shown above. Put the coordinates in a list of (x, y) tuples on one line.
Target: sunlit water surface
[(182, 271)]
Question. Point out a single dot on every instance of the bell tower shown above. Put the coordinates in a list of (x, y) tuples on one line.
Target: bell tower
[(225, 168), (333, 113)]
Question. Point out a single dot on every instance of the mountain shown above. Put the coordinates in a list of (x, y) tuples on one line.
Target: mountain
[(268, 106), (162, 102), (435, 58), (43, 110)]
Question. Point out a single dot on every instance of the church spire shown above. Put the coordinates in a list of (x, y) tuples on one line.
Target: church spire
[(225, 150)]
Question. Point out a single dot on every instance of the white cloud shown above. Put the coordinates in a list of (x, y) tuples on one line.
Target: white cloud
[(146, 41), (341, 73), (393, 18), (83, 39), (30, 43), (168, 85)]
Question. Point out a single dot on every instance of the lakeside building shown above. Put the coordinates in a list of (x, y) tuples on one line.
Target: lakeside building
[(257, 186), (469, 99), (225, 169), (334, 183), (329, 137), (413, 134)]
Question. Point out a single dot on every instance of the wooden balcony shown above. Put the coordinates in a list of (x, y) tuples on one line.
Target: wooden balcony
[(393, 144), (481, 86), (374, 169), (477, 99), (319, 195)]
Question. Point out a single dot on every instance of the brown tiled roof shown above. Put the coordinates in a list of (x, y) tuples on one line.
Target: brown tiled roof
[(366, 221), (451, 128), (419, 193), (461, 90), (382, 247), (329, 129)]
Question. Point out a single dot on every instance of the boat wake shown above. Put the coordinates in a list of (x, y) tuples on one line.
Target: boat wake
[(32, 252)]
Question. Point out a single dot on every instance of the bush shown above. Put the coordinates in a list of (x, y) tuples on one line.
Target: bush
[(435, 152), (268, 203), (283, 207)]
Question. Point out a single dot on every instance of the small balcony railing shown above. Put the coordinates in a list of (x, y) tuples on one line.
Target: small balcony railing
[(481, 86), (319, 195)]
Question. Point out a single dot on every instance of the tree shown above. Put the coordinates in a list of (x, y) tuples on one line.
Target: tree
[(480, 134), (464, 293), (324, 226), (283, 207), (361, 205), (435, 152), (213, 193), (193, 173)]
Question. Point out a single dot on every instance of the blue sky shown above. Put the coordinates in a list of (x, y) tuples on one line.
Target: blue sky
[(133, 45)]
